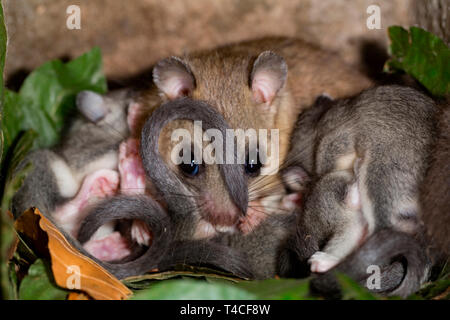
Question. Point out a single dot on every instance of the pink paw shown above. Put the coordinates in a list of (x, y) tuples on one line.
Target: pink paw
[(97, 185), (255, 215), (132, 181), (292, 201), (110, 248), (140, 233), (321, 262), (100, 184), (132, 174), (134, 113)]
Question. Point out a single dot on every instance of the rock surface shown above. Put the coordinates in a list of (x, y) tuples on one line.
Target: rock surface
[(135, 34)]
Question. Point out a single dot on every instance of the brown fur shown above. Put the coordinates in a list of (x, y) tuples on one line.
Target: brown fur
[(435, 196), (222, 78)]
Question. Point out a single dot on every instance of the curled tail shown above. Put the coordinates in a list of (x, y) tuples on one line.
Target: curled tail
[(137, 207), (164, 252), (207, 253), (400, 259)]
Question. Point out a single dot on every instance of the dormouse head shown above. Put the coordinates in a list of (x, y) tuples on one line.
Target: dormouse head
[(184, 150), (107, 111), (247, 89)]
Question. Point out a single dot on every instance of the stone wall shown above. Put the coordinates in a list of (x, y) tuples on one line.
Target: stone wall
[(134, 34)]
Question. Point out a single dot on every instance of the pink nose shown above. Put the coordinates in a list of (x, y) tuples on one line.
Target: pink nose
[(218, 214)]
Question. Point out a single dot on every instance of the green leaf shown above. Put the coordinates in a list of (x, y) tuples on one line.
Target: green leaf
[(193, 290), (278, 289), (352, 290), (439, 289), (3, 40), (13, 281), (39, 284), (13, 183), (47, 97), (144, 281), (422, 55), (35, 117), (181, 289), (6, 229)]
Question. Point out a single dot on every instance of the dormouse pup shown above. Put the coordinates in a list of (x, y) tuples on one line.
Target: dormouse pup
[(179, 188), (87, 154), (388, 262), (180, 184), (331, 225), (367, 157), (258, 84), (251, 256)]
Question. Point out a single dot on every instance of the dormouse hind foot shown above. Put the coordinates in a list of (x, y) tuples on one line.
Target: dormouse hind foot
[(110, 248), (96, 186), (132, 182), (321, 262)]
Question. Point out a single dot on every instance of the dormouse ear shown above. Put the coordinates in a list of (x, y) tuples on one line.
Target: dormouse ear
[(296, 179), (353, 198), (268, 75), (91, 105), (173, 77), (324, 98)]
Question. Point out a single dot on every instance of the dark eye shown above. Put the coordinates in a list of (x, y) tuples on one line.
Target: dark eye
[(192, 168), (253, 166)]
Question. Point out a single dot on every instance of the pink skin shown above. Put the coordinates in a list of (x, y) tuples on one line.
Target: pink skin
[(292, 201), (214, 215), (255, 215), (113, 247), (132, 174), (104, 183), (132, 182), (321, 262), (95, 186), (98, 185), (217, 214), (134, 112)]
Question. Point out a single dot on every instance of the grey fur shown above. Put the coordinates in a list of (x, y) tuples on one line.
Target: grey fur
[(165, 251), (92, 106), (391, 130), (167, 181), (101, 137), (130, 207), (251, 256), (82, 143), (39, 188), (322, 216), (261, 247), (264, 245), (396, 253)]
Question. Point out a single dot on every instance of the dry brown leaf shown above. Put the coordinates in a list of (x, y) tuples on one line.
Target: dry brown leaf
[(78, 296), (27, 225), (71, 269)]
